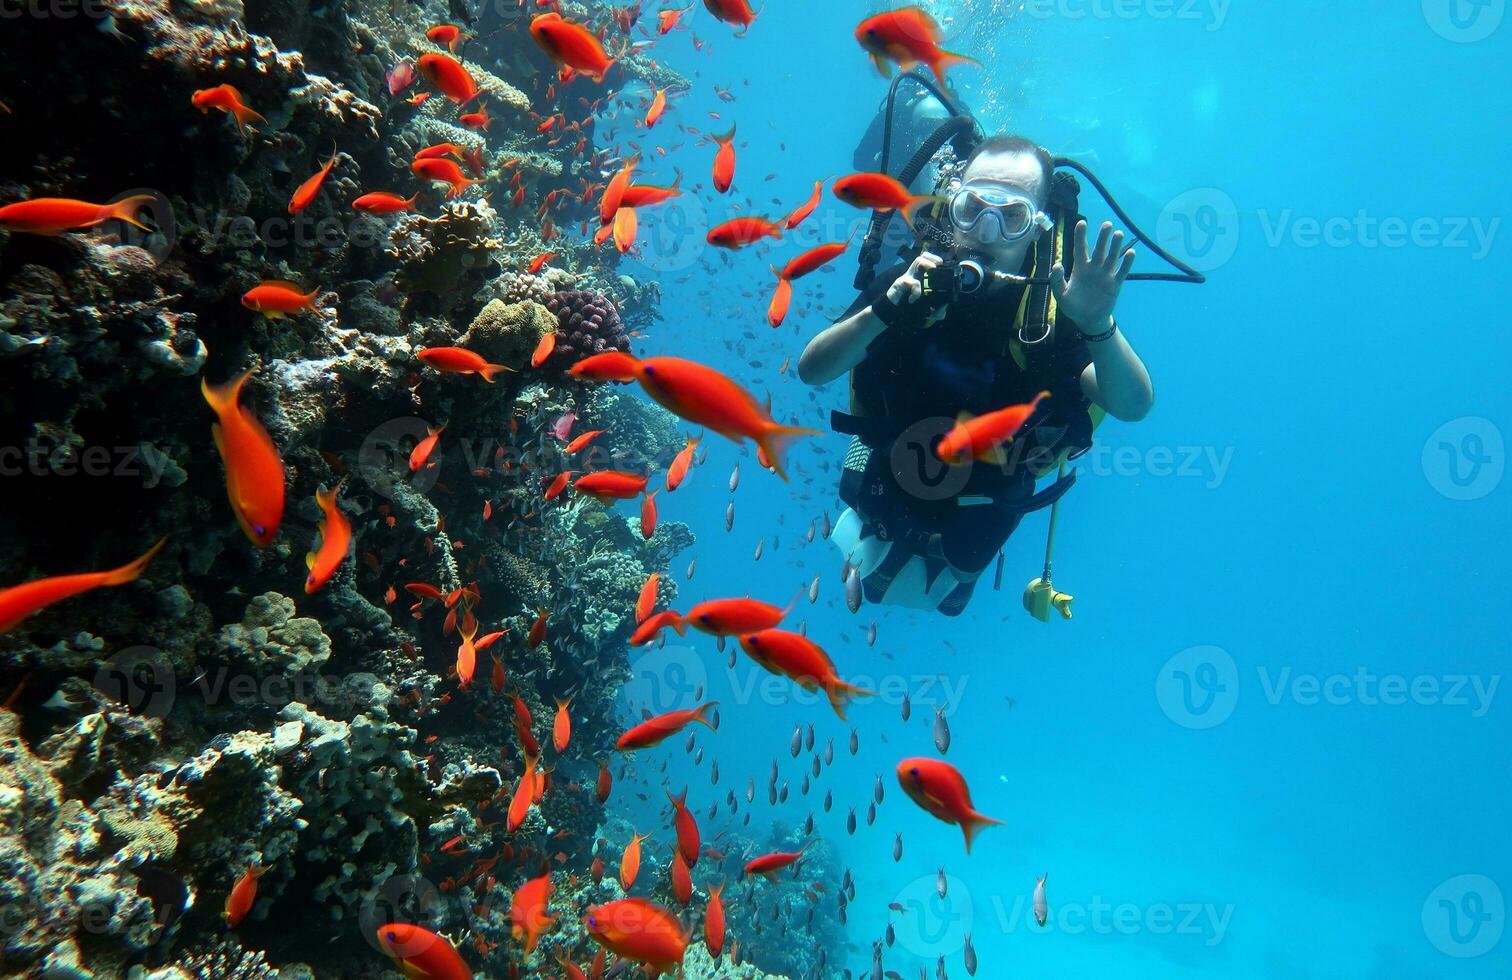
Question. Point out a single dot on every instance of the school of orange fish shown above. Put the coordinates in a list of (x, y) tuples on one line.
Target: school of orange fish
[(633, 929)]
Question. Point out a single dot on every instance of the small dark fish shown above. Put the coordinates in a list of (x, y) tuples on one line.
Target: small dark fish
[(1041, 906), (829, 800), (941, 732), (759, 546), (940, 882), (808, 738), (871, 634), (970, 954), (814, 590), (907, 707), (898, 848), (735, 477), (853, 595), (855, 742), (691, 565), (850, 822), (796, 745), (877, 789), (730, 517)]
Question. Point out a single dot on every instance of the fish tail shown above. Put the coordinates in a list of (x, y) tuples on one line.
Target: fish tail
[(773, 442), (223, 398), (701, 713), (948, 59), (917, 202), (727, 137), (840, 694), (243, 115), (126, 209), (678, 624), (131, 571), (972, 823), (308, 299), (489, 370)]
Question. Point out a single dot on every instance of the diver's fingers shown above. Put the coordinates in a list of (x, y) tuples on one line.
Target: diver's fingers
[(1126, 267), (1100, 253), (1079, 246), (1058, 282), (1115, 249)]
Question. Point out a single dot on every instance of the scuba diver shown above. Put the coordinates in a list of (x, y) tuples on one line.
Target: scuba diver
[(1002, 298)]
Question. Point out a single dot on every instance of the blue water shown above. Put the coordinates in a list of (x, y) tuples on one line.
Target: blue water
[(1292, 508)]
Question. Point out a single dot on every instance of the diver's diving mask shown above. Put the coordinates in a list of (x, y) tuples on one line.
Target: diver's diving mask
[(1013, 212)]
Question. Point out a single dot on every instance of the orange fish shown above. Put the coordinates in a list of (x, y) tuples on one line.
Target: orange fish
[(646, 601), (687, 827), (769, 864), (908, 36), (443, 171), (734, 617), (879, 192), (275, 298), (55, 215), (603, 784), (561, 726), (797, 217), (655, 730), (630, 861), (538, 630), (653, 625), (802, 660), (422, 953), (648, 516), (941, 790), (448, 34), (658, 106), (705, 397), (423, 449), (458, 360), (646, 195), (608, 366), (814, 259), (682, 880), (447, 74), (496, 682), (667, 20), (678, 471), (558, 485), (578, 444), (467, 656), (382, 202), (479, 120), (714, 920), (571, 45), (626, 225), (335, 540), (640, 931), (228, 100), (740, 232), (606, 486), (782, 299), (539, 262), (570, 969), (982, 437), (734, 12), (543, 351), (307, 191), (243, 896), (524, 795), (724, 160), (614, 192), (20, 601), (254, 471)]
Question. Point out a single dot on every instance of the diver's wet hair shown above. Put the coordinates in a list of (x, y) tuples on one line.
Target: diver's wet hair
[(1016, 144)]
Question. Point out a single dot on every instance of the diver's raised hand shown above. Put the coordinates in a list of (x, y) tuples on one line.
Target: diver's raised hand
[(1089, 297)]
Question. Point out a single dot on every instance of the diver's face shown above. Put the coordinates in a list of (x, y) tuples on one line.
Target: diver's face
[(1015, 171)]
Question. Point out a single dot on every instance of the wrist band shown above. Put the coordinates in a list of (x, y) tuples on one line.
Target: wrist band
[(893, 315), (1100, 337)]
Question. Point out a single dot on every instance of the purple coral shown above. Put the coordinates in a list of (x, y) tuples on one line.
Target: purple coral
[(588, 323)]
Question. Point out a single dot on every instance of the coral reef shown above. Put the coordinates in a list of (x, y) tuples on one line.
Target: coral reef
[(588, 323)]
